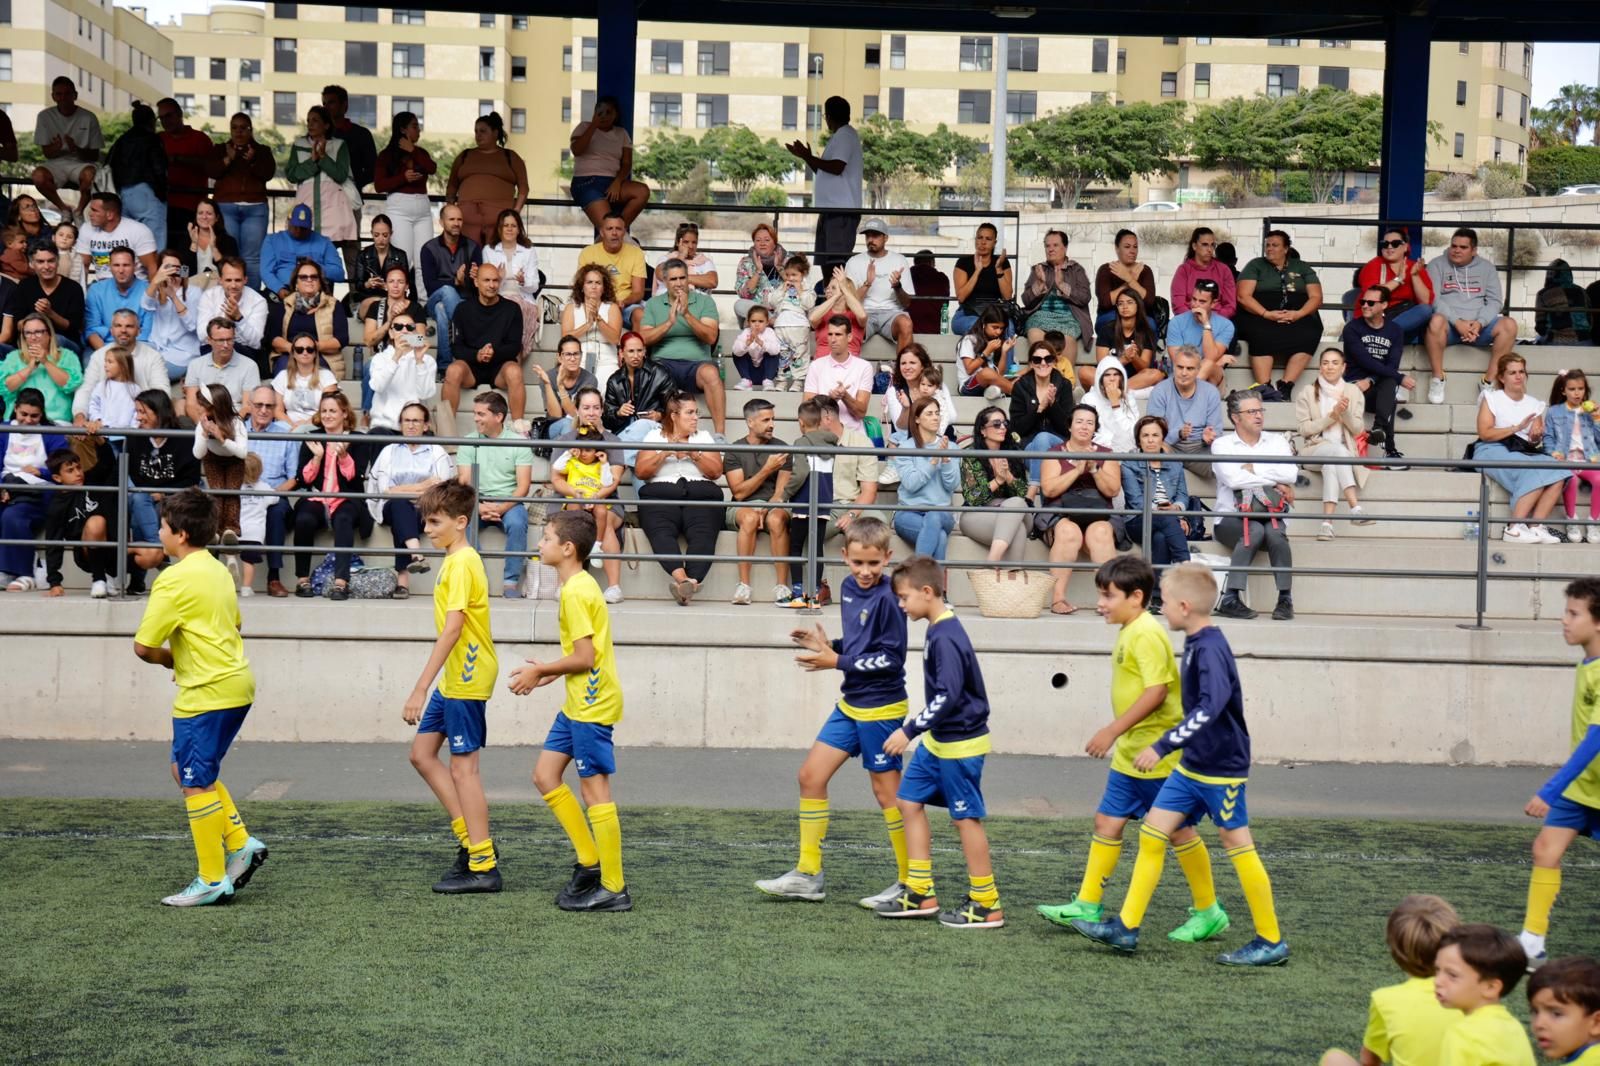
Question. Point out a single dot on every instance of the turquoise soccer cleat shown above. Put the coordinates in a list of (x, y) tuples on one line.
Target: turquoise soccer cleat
[(1258, 952), (243, 864), (202, 893), (1112, 934)]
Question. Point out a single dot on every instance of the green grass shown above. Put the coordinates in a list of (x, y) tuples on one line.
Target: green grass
[(338, 953)]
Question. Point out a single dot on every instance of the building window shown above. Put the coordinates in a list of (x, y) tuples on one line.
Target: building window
[(486, 20), (361, 14), (666, 109), (1522, 155), (589, 58), (897, 104), (1283, 81), (1021, 107), (1338, 77), (1501, 63), (364, 109), (249, 70), (586, 99), (711, 110), (283, 109), (519, 22), (1097, 98), (486, 64), (519, 68), (183, 67), (1202, 40), (285, 57), (972, 107), (791, 112), (566, 57), (1522, 118), (484, 107), (1169, 40), (897, 51), (409, 16), (185, 102), (1334, 42), (1169, 84), (219, 107), (1461, 94), (1465, 47), (519, 120), (1527, 61), (1461, 146), (1202, 81), (219, 70), (413, 104), (566, 109), (1283, 42), (1497, 149), (285, 11), (250, 105), (977, 53), (1122, 61), (814, 64), (713, 59), (1022, 53), (869, 106), (5, 16), (666, 57), (873, 58), (1500, 101), (791, 60), (361, 58), (814, 116)]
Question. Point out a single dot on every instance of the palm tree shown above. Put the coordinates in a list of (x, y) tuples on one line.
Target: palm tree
[(1546, 127), (1579, 106)]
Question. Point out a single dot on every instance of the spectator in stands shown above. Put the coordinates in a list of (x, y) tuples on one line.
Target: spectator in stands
[(1228, 256), (1123, 274), (42, 364), (1205, 329), (221, 442), (329, 467), (926, 482), (402, 472), (279, 470), (1116, 406), (883, 279), (1573, 435), (681, 330), (46, 292), (514, 254), (994, 491), (319, 166), (911, 366), (1374, 345), (401, 173), (111, 399), (1041, 407), (206, 243), (446, 263), (14, 265), (372, 265), (188, 151), (836, 189), (69, 138), (282, 252), (138, 162), (1250, 496), (760, 270), (839, 297), (73, 513), (1279, 300), (301, 384), (982, 278), (1130, 340), (69, 264), (561, 390), (241, 167), (149, 369), (311, 309), (601, 501), (363, 155), (173, 306), (9, 151), (109, 295), (623, 262), (933, 292), (1466, 310), (1405, 283), (854, 483), (1088, 486), (487, 179), (24, 458), (635, 396), (844, 377), (1200, 263), (156, 466), (233, 300), (671, 476), (1168, 491), (1511, 429), (758, 352), (686, 246), (1189, 406), (1561, 313), (376, 333), (595, 320), (1056, 296), (1331, 413), (760, 478), (401, 372), (488, 332), (503, 476), (602, 166), (25, 215), (224, 366), (985, 356), (109, 229)]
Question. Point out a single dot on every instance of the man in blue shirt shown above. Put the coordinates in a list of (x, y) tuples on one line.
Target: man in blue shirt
[(277, 470), (1203, 329), (281, 251), (1192, 408), (110, 295)]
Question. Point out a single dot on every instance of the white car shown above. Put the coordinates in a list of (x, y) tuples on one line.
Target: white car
[(1580, 190), (1156, 205)]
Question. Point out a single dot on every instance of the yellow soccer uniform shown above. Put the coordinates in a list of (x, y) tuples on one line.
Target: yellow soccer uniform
[(1142, 659), (193, 604), (1589, 1057), (595, 696), (1489, 1036), (471, 669), (586, 479), (1406, 1025), (1586, 713)]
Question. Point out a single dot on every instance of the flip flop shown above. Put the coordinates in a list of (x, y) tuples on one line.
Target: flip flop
[(1070, 609)]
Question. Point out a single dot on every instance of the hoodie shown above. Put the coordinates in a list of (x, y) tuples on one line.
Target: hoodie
[(1471, 292), (1116, 423)]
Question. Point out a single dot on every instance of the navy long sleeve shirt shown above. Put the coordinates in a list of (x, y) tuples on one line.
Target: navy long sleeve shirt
[(872, 652), (958, 704), (1213, 736)]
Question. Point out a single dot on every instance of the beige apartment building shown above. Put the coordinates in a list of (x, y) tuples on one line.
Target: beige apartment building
[(112, 53)]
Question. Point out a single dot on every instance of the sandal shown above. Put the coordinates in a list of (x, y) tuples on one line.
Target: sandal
[(22, 584), (1062, 603), (340, 592), (683, 591), (417, 565), (401, 592)]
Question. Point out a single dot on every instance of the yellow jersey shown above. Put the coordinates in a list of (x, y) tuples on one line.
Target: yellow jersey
[(1489, 1036), (586, 479), (1406, 1025), (472, 667), (627, 264), (596, 695), (193, 605), (1142, 659), (1589, 1056), (1586, 713)]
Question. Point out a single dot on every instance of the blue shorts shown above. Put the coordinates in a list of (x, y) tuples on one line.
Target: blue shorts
[(586, 743), (587, 190), (1570, 814), (861, 738), (199, 743), (1485, 335), (1127, 796), (461, 721), (684, 371), (1223, 804), (954, 784)]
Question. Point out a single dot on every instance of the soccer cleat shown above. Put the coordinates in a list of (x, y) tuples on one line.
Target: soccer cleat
[(973, 915), (1202, 925), (909, 904), (1536, 961), (888, 895), (741, 595), (795, 885), (202, 894), (1258, 952), (1066, 913), (600, 898), (1112, 934), (243, 864), (583, 880), (462, 884)]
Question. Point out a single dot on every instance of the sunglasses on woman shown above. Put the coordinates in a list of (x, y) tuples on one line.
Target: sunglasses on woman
[(996, 423), (404, 327), (1041, 360), (308, 277), (1392, 244), (305, 351)]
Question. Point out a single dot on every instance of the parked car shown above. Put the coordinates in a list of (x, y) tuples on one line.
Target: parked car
[(1157, 205), (1580, 190)]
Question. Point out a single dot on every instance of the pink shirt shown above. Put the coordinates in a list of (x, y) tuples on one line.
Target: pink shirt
[(604, 157), (826, 372)]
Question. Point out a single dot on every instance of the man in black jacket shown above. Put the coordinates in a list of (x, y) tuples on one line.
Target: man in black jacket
[(488, 336)]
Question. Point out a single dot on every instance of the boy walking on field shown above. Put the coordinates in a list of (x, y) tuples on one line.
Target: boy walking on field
[(582, 730), (458, 707), (193, 606)]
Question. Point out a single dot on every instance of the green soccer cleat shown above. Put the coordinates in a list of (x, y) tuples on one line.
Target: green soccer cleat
[(243, 864), (202, 894), (1066, 913), (1202, 925), (1258, 952)]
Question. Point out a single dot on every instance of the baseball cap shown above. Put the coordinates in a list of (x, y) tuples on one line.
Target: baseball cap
[(300, 216), (874, 225)]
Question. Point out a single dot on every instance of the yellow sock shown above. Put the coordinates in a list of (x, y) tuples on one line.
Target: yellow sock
[(234, 837), (564, 805), (919, 876), (1196, 863), (813, 828), (1257, 891), (983, 892), (1103, 855), (608, 840), (480, 856), (1543, 887), (207, 824), (1146, 875), (897, 840), (458, 826)]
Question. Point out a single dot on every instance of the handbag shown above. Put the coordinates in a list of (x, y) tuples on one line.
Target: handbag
[(322, 576), (373, 582), (1010, 593)]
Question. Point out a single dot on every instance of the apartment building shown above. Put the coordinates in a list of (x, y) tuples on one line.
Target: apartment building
[(112, 53)]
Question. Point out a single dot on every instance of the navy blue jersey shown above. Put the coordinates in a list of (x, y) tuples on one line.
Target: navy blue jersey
[(958, 705), (1213, 737), (872, 652)]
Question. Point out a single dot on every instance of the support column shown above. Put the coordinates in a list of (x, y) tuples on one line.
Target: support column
[(617, 50), (1407, 49)]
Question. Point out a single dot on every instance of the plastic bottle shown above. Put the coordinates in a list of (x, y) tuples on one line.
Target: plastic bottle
[(1470, 532), (944, 317)]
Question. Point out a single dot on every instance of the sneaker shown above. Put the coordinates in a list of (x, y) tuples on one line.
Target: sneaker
[(1286, 390), (462, 884), (1484, 388), (1202, 925), (1112, 934), (41, 575), (1067, 913), (743, 385), (1402, 394), (1517, 533), (584, 880), (1258, 952), (98, 590), (973, 915), (1284, 611), (1233, 607), (888, 476), (600, 898), (1436, 391), (1360, 517), (1404, 414), (1575, 534), (909, 904), (1394, 454), (888, 895), (1325, 532), (613, 594), (1594, 534), (795, 885), (782, 596), (246, 591), (993, 393), (741, 595), (243, 864), (510, 591), (202, 894), (1543, 535)]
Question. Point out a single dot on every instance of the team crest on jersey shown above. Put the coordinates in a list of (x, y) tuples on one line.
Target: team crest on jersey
[(960, 805), (862, 617)]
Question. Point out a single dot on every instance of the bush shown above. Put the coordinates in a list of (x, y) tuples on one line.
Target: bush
[(767, 196), (1431, 180), (1564, 164), (1296, 188), (1501, 181), (1453, 187), (1231, 191)]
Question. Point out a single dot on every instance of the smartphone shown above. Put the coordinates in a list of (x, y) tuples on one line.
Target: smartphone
[(183, 273)]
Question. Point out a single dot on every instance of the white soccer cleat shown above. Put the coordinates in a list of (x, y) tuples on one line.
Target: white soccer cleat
[(795, 885), (888, 895)]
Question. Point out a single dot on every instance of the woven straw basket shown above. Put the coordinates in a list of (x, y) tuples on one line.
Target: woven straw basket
[(1014, 594)]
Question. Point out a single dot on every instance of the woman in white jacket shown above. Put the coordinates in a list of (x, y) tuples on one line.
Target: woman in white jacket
[(1118, 410), (402, 372), (514, 254)]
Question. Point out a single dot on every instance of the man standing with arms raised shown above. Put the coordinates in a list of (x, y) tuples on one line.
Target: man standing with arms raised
[(837, 188)]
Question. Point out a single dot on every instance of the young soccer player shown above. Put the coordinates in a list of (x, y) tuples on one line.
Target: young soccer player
[(1477, 967), (1210, 776), (582, 730), (1564, 1001), (1406, 1023), (193, 607), (1147, 703), (1569, 802), (947, 770), (456, 710), (871, 655)]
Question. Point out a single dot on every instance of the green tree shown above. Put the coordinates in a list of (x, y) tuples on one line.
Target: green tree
[(1545, 128), (891, 151), (1579, 106), (767, 196), (1240, 135), (1097, 142), (1332, 131), (1563, 164), (667, 158), (742, 159)]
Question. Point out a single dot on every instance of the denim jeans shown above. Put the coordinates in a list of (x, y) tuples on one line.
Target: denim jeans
[(248, 225), (1042, 442), (1167, 542), (560, 428), (636, 430), (144, 520), (928, 530), (515, 523), (20, 520), (139, 202), (441, 308)]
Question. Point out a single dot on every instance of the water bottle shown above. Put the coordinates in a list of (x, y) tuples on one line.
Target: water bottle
[(358, 361), (1470, 532), (944, 317)]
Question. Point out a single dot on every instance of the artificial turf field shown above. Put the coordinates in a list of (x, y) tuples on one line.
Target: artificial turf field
[(338, 952)]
